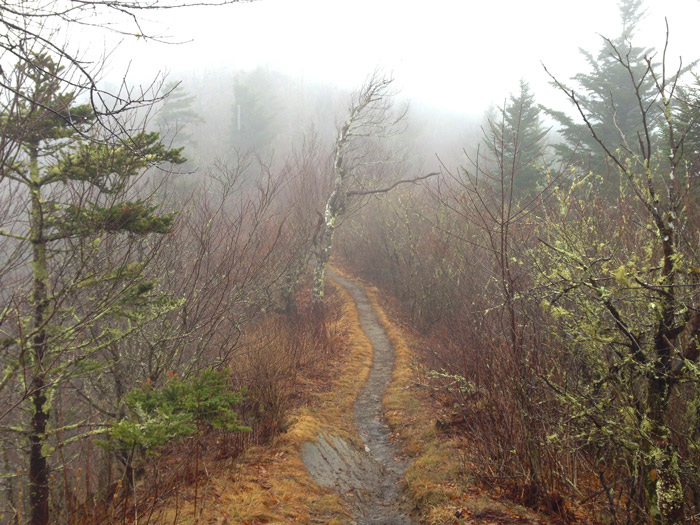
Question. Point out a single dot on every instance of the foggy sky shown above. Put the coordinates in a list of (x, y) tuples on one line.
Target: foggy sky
[(463, 56)]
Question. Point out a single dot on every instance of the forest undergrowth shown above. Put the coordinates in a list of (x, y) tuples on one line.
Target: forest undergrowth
[(441, 482), (446, 479), (266, 481)]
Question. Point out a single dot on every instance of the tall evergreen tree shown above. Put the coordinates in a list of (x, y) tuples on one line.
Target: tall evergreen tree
[(177, 116), (608, 95), (515, 140), (254, 111), (70, 199)]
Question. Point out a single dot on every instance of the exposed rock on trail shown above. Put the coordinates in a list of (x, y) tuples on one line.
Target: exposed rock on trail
[(371, 478)]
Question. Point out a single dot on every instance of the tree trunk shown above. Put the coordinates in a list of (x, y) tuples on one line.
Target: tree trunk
[(667, 499), (38, 464), (665, 496), (323, 256), (324, 240), (670, 498)]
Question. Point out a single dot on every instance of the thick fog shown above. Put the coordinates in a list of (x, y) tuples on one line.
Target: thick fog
[(461, 56), (300, 60)]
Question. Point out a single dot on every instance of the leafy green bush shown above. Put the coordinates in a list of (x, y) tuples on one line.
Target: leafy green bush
[(155, 417)]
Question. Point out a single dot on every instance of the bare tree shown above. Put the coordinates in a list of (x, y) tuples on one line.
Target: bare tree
[(360, 163), (308, 184)]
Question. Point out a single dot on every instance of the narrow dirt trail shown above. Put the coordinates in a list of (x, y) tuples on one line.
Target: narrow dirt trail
[(369, 479)]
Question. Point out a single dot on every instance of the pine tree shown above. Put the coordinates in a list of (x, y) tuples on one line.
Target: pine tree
[(687, 116), (72, 193), (515, 140), (177, 117), (608, 95), (253, 112)]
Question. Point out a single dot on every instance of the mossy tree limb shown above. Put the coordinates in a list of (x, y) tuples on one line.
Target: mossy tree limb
[(646, 293)]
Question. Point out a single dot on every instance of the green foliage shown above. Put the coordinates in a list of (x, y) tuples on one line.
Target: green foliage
[(133, 217), (44, 112), (78, 224), (108, 166), (620, 295), (75, 191), (608, 95), (516, 140), (452, 382), (159, 416)]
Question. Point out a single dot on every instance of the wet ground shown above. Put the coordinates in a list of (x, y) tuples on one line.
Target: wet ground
[(369, 478)]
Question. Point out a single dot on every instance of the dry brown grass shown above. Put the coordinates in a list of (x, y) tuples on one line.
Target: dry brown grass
[(270, 484), (438, 480)]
